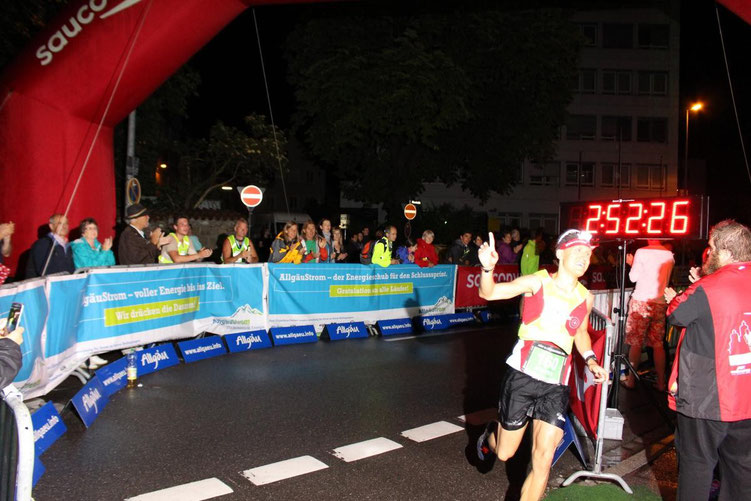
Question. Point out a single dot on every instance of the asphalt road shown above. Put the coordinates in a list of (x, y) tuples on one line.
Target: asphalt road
[(218, 418)]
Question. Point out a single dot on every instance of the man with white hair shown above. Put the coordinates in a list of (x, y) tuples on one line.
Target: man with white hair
[(51, 253)]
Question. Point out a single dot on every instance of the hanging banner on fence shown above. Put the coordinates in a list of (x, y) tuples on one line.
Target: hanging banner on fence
[(116, 308), (395, 326), (584, 397), (113, 376), (468, 282), (199, 349), (323, 294), (244, 341), (31, 294), (90, 401), (336, 332), (48, 427)]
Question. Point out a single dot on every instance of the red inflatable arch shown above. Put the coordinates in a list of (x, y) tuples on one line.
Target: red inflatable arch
[(93, 65)]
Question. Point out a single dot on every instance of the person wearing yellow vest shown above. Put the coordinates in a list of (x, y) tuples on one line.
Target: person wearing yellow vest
[(238, 248), (554, 319), (287, 247), (180, 249)]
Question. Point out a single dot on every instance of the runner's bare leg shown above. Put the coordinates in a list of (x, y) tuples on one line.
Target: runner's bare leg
[(545, 439)]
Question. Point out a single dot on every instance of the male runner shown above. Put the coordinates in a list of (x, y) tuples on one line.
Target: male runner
[(555, 317)]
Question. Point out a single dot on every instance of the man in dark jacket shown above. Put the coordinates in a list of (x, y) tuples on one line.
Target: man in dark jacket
[(134, 247), (41, 263), (459, 251), (713, 368)]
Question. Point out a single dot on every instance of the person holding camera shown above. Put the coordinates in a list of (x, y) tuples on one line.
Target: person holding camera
[(10, 353)]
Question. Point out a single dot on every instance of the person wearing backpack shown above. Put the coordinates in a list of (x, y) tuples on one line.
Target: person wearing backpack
[(380, 251)]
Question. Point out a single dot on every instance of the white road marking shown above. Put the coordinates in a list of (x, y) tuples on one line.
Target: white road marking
[(194, 491), (431, 431), (366, 449), (283, 469), (478, 418)]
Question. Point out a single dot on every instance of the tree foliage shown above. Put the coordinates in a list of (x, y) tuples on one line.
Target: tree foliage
[(229, 156), (461, 96)]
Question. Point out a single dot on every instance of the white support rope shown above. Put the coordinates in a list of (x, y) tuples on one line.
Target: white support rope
[(732, 94), (100, 125), (271, 114)]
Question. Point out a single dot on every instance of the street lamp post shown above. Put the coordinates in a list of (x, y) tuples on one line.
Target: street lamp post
[(694, 107)]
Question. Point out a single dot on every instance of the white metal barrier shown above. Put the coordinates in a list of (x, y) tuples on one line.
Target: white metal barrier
[(25, 433), (596, 472)]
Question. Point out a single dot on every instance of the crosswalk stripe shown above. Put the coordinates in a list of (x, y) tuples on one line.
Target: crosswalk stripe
[(368, 448), (479, 418), (194, 491), (431, 431), (283, 469)]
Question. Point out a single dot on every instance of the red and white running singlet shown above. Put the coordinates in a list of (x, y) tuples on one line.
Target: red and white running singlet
[(550, 319)]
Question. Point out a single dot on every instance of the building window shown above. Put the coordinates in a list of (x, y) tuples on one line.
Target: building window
[(652, 130), (545, 174), (653, 83), (585, 82), (654, 36), (618, 36), (616, 82), (509, 219), (589, 33), (548, 223), (609, 174), (616, 128), (574, 174), (581, 127), (650, 177)]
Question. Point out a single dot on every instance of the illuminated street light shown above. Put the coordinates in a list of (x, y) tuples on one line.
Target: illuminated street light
[(694, 107), (227, 188), (162, 166)]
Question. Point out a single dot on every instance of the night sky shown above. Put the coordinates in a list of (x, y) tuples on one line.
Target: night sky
[(232, 86)]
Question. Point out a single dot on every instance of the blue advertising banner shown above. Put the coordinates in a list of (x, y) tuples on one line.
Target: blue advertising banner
[(38, 471), (293, 335), (434, 322), (156, 303), (31, 294), (48, 427), (323, 294), (113, 376), (395, 326), (244, 341), (461, 318), (351, 330), (90, 401), (199, 349), (156, 358), (569, 437)]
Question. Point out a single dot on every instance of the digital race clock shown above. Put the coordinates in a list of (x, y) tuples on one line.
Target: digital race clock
[(682, 217)]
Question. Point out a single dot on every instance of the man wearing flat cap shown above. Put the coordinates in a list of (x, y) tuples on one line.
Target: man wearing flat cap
[(134, 247)]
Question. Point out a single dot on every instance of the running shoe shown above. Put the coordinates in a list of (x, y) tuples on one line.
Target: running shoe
[(484, 452)]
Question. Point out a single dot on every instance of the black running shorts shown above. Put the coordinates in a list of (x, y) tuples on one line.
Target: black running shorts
[(523, 397)]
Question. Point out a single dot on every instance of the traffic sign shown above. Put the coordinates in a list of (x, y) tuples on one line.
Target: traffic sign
[(410, 211), (133, 191), (251, 195)]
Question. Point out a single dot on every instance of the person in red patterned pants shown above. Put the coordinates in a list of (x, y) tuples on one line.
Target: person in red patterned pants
[(651, 267)]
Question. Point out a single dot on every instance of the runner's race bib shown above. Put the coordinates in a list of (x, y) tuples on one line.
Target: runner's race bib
[(545, 363)]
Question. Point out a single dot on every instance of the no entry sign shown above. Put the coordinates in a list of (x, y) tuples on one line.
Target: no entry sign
[(410, 211), (251, 195)]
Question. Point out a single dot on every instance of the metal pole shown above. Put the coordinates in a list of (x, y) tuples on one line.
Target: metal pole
[(685, 158), (131, 170)]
